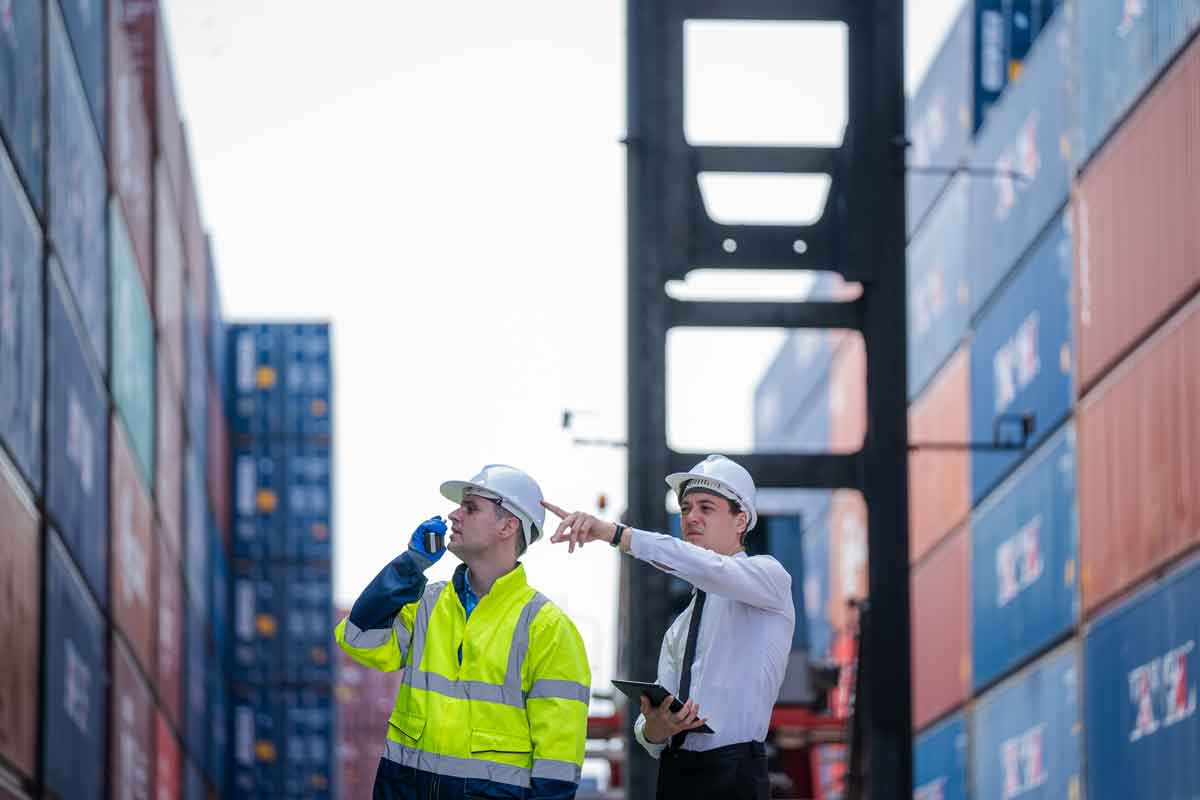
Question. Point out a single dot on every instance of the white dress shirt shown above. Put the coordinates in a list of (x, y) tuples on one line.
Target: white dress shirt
[(744, 640)]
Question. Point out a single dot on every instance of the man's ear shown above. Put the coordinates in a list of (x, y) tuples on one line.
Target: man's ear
[(743, 523)]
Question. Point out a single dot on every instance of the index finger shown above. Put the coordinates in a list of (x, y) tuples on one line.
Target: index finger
[(553, 509)]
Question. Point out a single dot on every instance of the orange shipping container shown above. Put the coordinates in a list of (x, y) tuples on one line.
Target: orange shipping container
[(941, 613), (847, 555), (1136, 205), (1139, 484), (20, 601), (848, 396)]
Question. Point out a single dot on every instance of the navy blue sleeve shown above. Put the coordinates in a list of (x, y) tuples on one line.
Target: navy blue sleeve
[(552, 789), (399, 583)]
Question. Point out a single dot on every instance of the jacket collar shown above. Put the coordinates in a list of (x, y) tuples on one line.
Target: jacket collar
[(510, 583)]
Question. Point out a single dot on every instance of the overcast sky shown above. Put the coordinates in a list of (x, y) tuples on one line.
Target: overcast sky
[(444, 183)]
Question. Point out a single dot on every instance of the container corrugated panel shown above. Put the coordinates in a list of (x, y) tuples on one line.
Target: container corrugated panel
[(168, 484), (938, 294), (196, 731), (1025, 734), (166, 760), (131, 146), (939, 481), (76, 677), (990, 57), (257, 384), (258, 742), (133, 380), (258, 622), (131, 744), (20, 607), (258, 496), (22, 346), (1136, 205), (847, 554), (789, 384), (170, 631), (848, 396), (1021, 358), (308, 520), (1024, 562), (816, 586), (77, 446), (139, 19), (85, 25), (196, 530), (216, 765), (1140, 665), (1175, 23), (1026, 142), (941, 661), (168, 278), (308, 380), (196, 392), (1139, 489), (168, 125), (308, 602), (309, 732), (940, 119), (195, 246), (132, 520), (21, 87), (940, 761), (219, 589), (77, 193), (219, 466)]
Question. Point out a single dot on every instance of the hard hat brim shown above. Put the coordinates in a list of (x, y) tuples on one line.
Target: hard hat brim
[(455, 491)]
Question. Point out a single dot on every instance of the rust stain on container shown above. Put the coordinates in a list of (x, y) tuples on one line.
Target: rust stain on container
[(939, 481), (941, 609), (1135, 214), (848, 395), (131, 520), (20, 607), (169, 464), (847, 555), (1139, 484)]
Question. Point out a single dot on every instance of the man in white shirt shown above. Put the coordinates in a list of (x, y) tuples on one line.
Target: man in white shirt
[(734, 637)]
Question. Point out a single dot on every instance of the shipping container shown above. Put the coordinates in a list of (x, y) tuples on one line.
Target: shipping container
[(170, 632), (309, 513), (1175, 23), (168, 125), (168, 279), (258, 622), (940, 761), (85, 26), (941, 651), (1136, 203), (196, 392), (77, 194), (131, 522), (166, 760), (219, 592), (792, 381), (938, 294), (195, 246), (21, 91), (193, 781), (940, 120), (196, 724), (258, 741), (848, 395), (1024, 562), (220, 465), (309, 734), (74, 709), (22, 346), (131, 146), (216, 766), (131, 744), (216, 324), (20, 608), (196, 531), (1026, 145), (1025, 734), (847, 554), (308, 399), (1141, 728), (257, 385), (307, 591), (939, 480), (259, 476), (168, 490), (778, 535), (11, 786), (990, 58), (1139, 489), (829, 771), (132, 346), (1021, 359), (1020, 29), (77, 445), (816, 586)]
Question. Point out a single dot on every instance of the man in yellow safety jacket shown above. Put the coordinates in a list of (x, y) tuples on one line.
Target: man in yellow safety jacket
[(494, 698)]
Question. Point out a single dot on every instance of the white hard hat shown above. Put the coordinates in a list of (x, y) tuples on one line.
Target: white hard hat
[(517, 493), (724, 477)]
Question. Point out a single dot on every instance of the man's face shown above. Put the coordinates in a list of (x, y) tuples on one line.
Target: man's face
[(475, 527), (710, 522)]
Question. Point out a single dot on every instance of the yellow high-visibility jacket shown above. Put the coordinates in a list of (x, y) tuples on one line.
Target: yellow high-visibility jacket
[(496, 703)]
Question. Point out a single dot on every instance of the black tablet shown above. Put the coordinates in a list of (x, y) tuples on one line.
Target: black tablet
[(634, 690)]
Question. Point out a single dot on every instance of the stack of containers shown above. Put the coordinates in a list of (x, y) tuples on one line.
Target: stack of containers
[(92, 419), (283, 665), (365, 699)]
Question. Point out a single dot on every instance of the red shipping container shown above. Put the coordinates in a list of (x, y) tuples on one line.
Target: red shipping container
[(848, 396), (845, 655), (167, 772), (1135, 215), (939, 481), (168, 125), (20, 612), (131, 147), (131, 745), (941, 642), (132, 576), (219, 466), (1139, 485), (170, 633), (847, 555), (169, 462), (139, 19), (195, 246), (168, 279)]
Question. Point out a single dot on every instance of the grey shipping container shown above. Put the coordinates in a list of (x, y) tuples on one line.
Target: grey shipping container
[(196, 730), (85, 23), (196, 533), (21, 85)]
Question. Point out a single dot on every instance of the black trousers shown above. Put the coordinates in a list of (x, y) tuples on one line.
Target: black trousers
[(733, 772)]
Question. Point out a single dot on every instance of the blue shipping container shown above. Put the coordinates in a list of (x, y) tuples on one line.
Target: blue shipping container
[(791, 382), (938, 295), (254, 354), (990, 58), (1020, 28), (196, 726), (77, 446), (218, 743), (1024, 562), (78, 224), (21, 84), (193, 782), (75, 716), (1175, 22), (940, 120), (258, 741), (780, 536), (197, 529), (1025, 734), (1021, 357), (308, 378), (86, 28), (22, 347), (1140, 666), (816, 588), (309, 737), (259, 606), (1027, 143), (258, 489), (307, 591), (219, 590), (306, 535), (940, 761)]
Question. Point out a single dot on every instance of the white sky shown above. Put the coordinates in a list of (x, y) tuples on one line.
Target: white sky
[(444, 182)]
